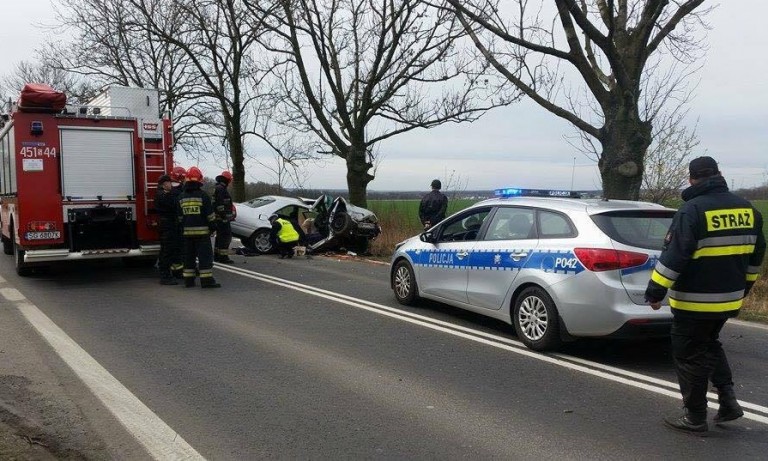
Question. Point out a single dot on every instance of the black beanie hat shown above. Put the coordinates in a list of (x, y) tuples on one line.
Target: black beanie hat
[(703, 167), (436, 184), (162, 179)]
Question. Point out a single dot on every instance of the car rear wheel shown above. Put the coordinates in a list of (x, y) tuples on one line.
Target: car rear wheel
[(259, 241), (535, 319), (404, 283)]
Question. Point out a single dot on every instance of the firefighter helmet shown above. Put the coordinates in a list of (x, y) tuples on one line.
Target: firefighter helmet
[(194, 174), (178, 173), (226, 175)]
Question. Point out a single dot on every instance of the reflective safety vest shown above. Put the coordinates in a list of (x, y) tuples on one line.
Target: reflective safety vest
[(195, 212), (712, 253), (287, 233)]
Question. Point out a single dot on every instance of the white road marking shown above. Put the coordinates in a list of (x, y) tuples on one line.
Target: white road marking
[(11, 294), (153, 434), (608, 372)]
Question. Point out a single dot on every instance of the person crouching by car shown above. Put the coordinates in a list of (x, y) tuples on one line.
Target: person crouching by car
[(285, 235)]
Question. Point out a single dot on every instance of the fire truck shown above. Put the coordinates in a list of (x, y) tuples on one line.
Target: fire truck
[(79, 181)]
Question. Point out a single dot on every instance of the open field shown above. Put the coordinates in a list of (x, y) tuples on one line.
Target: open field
[(400, 220)]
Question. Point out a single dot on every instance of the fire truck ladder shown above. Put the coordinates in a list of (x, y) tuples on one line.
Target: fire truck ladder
[(149, 169)]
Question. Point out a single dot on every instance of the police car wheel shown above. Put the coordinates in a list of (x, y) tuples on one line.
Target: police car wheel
[(535, 319), (404, 283)]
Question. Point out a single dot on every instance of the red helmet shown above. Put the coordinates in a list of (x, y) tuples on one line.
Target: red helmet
[(227, 175), (178, 173), (194, 174)]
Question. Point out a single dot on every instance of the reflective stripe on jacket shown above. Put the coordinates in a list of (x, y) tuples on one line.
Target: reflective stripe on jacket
[(287, 233), (195, 211), (712, 253)]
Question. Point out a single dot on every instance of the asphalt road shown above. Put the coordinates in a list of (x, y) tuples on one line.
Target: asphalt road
[(313, 359)]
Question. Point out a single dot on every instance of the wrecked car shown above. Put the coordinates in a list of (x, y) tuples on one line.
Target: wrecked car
[(336, 224)]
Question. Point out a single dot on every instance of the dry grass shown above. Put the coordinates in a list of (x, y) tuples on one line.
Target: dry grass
[(756, 304)]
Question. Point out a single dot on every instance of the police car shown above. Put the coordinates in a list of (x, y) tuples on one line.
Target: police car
[(553, 266)]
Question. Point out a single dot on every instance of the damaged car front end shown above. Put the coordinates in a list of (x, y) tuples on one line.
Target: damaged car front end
[(343, 225)]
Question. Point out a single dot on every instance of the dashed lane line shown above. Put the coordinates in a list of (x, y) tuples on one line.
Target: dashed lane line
[(159, 439), (608, 372)]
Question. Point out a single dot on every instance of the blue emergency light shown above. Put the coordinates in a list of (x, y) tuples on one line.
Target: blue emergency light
[(516, 192), (36, 128)]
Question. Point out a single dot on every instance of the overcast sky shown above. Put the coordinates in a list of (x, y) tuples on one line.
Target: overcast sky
[(523, 145)]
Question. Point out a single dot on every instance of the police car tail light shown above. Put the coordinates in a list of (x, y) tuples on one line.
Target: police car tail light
[(603, 259)]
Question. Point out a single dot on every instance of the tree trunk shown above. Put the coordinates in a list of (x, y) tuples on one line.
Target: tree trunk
[(358, 176), (236, 154), (625, 140)]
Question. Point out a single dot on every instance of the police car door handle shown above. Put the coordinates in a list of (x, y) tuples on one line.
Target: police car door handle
[(462, 254), (518, 255)]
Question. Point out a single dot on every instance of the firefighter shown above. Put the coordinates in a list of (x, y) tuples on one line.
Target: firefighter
[(177, 250), (225, 213), (285, 235), (433, 206), (197, 221), (165, 204), (711, 258)]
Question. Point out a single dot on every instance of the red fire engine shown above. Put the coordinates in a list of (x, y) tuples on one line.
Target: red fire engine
[(78, 182)]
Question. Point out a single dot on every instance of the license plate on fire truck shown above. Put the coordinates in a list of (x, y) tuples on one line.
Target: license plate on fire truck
[(43, 235)]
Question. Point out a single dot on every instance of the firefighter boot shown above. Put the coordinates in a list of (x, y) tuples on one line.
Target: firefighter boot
[(729, 406), (224, 259), (688, 422), (209, 282), (189, 282)]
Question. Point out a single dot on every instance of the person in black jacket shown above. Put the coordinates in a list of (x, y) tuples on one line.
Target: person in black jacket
[(711, 258), (433, 206), (225, 213), (197, 221), (165, 204)]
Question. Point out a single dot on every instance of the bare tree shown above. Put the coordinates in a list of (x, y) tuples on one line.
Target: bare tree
[(666, 162), (219, 38), (111, 46), (77, 89), (610, 47), (362, 71)]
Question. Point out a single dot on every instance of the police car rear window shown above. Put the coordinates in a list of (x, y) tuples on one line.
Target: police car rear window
[(642, 228)]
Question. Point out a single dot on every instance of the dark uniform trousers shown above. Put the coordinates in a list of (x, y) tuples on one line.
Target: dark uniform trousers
[(168, 238), (198, 257), (223, 238), (699, 358)]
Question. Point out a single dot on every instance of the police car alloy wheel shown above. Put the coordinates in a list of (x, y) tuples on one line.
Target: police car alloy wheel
[(535, 319), (404, 283)]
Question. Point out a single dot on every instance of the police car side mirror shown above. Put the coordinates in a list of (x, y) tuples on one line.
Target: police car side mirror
[(427, 237)]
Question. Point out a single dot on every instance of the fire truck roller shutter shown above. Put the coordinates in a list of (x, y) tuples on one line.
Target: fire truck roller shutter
[(97, 163)]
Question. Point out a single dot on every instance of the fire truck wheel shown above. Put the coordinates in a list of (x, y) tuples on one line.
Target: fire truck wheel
[(7, 246), (22, 268)]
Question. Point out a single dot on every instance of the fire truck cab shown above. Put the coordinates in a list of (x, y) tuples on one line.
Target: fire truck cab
[(79, 181)]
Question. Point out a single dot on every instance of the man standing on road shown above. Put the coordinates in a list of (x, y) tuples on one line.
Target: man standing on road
[(711, 258), (165, 204), (433, 206), (178, 173), (225, 213), (197, 221)]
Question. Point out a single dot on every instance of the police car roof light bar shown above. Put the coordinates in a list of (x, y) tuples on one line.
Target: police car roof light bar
[(516, 192)]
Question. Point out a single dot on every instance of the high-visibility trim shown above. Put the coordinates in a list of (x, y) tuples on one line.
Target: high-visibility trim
[(661, 280), (211, 217), (177, 267), (189, 273), (666, 272), (752, 277), (732, 250), (705, 307), (189, 232), (729, 240), (706, 297), (206, 273)]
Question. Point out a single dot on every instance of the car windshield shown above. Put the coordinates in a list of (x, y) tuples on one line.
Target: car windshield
[(259, 202), (643, 229)]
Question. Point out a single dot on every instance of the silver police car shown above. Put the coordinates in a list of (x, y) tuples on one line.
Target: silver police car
[(554, 267)]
